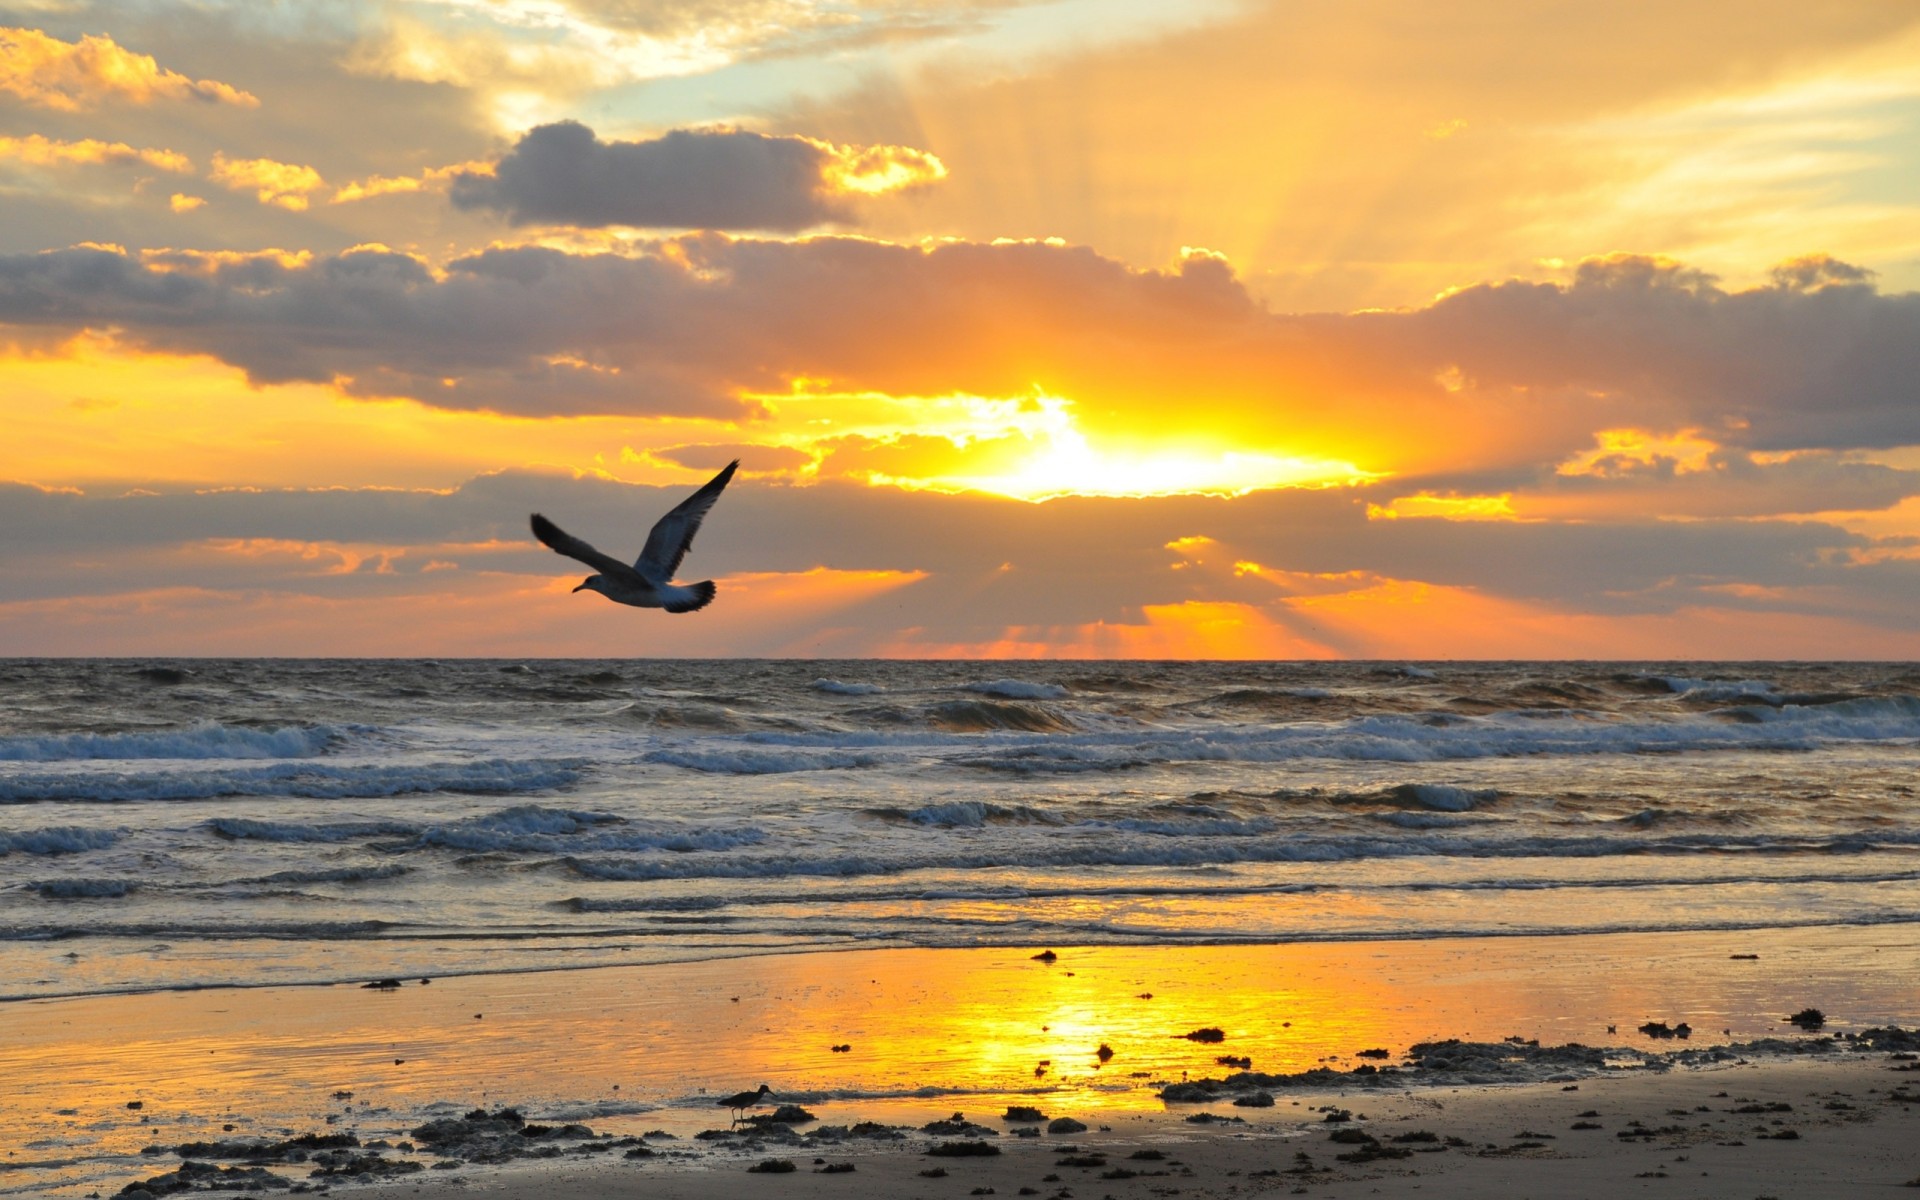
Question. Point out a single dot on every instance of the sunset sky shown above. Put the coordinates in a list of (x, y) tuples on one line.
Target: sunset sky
[(1116, 328)]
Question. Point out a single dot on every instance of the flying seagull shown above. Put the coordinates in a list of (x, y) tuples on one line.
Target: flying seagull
[(648, 583)]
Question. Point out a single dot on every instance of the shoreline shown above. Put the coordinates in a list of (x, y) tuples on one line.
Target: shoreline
[(1010, 947), (896, 1036)]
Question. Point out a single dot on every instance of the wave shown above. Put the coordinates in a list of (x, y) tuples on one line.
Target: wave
[(327, 875), (83, 889), (1433, 737), (552, 831), (319, 781), (1017, 689), (968, 814), (1716, 689), (59, 839), (278, 931), (834, 687), (749, 761), (524, 829), (1249, 847), (200, 741), (248, 829), (984, 715)]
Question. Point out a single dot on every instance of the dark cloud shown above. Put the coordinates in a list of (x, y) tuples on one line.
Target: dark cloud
[(562, 174), (1498, 374), (990, 563)]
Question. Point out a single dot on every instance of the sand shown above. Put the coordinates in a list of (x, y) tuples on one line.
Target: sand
[(1851, 1137), (92, 1082)]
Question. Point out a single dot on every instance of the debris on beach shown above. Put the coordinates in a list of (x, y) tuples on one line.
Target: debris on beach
[(963, 1149), (195, 1176), (1066, 1125), (1023, 1113), (1209, 1034), (1104, 1053), (1046, 956), (1808, 1019), (958, 1126), (786, 1114)]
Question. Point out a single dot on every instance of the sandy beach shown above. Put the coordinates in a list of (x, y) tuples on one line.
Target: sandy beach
[(1825, 1129), (1491, 1061)]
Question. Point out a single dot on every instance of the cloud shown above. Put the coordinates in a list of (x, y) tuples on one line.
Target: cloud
[(37, 150), (283, 184), (917, 572), (49, 73), (563, 174), (1511, 378), (432, 179), (754, 459)]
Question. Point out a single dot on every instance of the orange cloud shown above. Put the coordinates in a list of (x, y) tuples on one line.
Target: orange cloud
[(278, 183), (440, 611), (433, 179), (68, 76), (180, 202), (1623, 450), (1452, 508), (37, 150)]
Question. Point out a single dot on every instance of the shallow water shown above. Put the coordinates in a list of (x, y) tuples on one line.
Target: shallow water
[(202, 823)]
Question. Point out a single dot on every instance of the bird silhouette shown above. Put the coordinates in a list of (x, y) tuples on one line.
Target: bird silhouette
[(648, 583), (740, 1102)]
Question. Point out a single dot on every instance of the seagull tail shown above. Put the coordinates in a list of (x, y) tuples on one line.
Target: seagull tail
[(692, 598)]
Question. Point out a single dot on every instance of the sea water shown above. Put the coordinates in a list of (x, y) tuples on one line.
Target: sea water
[(203, 823)]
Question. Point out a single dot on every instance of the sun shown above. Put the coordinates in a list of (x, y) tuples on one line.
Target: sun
[(1065, 461)]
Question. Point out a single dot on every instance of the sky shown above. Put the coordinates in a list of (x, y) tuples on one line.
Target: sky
[(1040, 328)]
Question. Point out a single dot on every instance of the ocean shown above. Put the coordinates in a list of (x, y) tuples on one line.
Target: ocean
[(205, 823)]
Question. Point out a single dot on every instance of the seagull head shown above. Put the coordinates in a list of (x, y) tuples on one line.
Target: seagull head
[(590, 584)]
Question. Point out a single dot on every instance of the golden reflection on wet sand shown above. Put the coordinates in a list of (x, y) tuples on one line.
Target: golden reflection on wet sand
[(972, 1024)]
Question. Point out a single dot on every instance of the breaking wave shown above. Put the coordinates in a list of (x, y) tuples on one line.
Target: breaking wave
[(201, 741)]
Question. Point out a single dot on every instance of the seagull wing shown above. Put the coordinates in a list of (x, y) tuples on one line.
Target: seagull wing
[(672, 535), (565, 543)]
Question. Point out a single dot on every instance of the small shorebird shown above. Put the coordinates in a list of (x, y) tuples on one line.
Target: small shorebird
[(740, 1102), (648, 583)]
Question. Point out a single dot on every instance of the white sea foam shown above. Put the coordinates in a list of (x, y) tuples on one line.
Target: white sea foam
[(835, 687), (1018, 689), (200, 741), (1719, 689)]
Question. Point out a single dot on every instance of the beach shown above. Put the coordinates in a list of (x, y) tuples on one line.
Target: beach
[(277, 917), (1478, 1040), (1848, 1133)]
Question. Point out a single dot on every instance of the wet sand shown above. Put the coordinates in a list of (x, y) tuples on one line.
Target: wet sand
[(903, 1038)]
